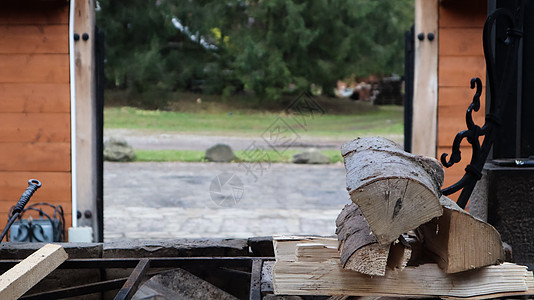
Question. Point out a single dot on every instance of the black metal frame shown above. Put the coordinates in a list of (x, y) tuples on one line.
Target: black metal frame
[(141, 266), (499, 86)]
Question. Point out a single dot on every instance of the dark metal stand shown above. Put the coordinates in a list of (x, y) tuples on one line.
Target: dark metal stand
[(128, 286), (500, 85)]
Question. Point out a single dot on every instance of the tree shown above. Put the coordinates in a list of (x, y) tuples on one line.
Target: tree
[(264, 45)]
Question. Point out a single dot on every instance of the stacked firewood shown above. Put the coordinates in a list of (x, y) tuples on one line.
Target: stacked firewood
[(399, 236)]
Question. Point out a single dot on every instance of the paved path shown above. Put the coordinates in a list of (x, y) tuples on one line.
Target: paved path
[(172, 200)]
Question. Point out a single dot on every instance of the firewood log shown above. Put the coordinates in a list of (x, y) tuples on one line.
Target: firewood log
[(396, 191), (459, 242)]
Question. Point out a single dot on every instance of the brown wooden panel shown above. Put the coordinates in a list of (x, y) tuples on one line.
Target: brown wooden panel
[(460, 41), (35, 157), (56, 186), (458, 70), (451, 120), (42, 15), (459, 97), (35, 97), (35, 127), (41, 68), (20, 39), (460, 13)]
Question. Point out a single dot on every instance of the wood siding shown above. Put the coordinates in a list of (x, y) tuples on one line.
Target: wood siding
[(461, 57), (35, 106)]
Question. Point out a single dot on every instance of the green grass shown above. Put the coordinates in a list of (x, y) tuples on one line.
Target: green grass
[(384, 121), (198, 156)]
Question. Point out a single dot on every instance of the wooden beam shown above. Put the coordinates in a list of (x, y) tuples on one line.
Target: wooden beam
[(22, 277), (425, 79), (84, 23)]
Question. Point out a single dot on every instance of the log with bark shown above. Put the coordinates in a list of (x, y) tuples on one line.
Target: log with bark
[(396, 191), (459, 242), (359, 248)]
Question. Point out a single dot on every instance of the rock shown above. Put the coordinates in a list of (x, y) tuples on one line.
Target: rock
[(179, 284), (311, 156), (220, 153), (117, 149)]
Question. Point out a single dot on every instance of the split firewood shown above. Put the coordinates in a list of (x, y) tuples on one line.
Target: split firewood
[(359, 248), (459, 242), (294, 277), (396, 191)]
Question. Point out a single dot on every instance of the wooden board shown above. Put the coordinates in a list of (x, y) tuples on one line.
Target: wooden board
[(86, 152), (35, 157), (34, 97), (292, 277), (460, 41), (56, 186), (31, 39), (35, 128), (23, 276), (462, 14), (25, 16), (424, 126), (38, 68), (458, 70)]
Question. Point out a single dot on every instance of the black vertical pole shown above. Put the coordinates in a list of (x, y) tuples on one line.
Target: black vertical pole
[(409, 65), (100, 83)]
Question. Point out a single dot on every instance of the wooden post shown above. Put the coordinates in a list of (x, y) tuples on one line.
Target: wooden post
[(425, 100), (84, 26), (23, 276)]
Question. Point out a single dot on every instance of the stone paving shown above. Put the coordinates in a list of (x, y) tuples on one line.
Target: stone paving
[(192, 200)]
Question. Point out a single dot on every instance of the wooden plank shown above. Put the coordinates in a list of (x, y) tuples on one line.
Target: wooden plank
[(86, 155), (35, 157), (38, 68), (22, 277), (460, 42), (27, 16), (35, 97), (463, 14), (456, 96), (26, 39), (458, 70), (425, 79), (35, 128), (291, 277), (56, 186)]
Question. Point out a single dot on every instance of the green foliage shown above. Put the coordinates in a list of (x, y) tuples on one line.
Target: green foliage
[(270, 47)]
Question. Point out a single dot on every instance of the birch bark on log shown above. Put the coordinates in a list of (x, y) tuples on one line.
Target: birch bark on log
[(396, 191), (360, 250)]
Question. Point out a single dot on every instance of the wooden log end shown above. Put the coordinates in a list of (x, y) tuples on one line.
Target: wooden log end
[(369, 260)]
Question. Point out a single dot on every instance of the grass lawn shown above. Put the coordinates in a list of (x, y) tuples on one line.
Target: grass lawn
[(198, 156), (384, 121)]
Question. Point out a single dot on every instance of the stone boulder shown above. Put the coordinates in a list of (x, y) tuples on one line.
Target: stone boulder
[(117, 149), (220, 153), (311, 156)]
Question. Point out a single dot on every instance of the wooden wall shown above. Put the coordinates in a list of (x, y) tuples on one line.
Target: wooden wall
[(34, 106), (461, 57)]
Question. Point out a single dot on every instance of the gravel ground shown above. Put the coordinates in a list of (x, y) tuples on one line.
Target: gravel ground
[(172, 200)]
